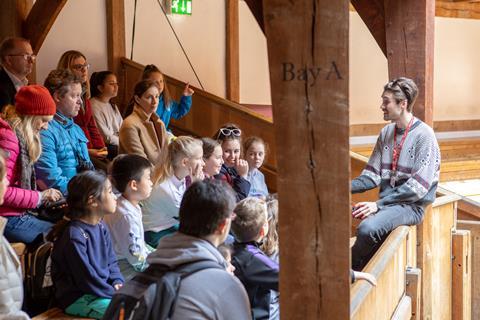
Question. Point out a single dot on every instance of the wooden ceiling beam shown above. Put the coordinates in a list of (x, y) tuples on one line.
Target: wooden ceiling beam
[(372, 13), (40, 20), (458, 9), (256, 6)]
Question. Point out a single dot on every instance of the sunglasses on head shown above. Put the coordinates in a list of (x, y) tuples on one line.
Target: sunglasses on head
[(226, 132)]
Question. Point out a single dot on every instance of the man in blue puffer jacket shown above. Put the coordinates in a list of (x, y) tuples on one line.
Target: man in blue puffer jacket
[(64, 145)]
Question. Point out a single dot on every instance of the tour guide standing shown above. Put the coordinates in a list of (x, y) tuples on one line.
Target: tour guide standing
[(405, 164)]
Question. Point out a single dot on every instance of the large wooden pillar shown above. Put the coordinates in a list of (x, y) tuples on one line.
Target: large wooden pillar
[(232, 50), (308, 58), (13, 14), (409, 26), (115, 16)]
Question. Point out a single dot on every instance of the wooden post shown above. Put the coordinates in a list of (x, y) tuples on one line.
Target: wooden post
[(410, 38), (308, 58), (116, 40), (461, 275), (414, 290), (232, 54), (12, 16)]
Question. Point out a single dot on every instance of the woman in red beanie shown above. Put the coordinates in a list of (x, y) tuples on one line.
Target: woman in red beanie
[(20, 138)]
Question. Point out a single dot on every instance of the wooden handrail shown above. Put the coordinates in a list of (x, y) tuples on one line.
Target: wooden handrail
[(377, 266), (440, 201)]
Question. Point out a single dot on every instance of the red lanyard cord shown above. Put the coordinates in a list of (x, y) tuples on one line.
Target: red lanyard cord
[(397, 148)]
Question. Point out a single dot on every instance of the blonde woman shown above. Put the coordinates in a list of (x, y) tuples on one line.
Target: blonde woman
[(171, 179), (20, 138)]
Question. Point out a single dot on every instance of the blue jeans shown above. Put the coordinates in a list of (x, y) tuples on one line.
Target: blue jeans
[(26, 228), (374, 230)]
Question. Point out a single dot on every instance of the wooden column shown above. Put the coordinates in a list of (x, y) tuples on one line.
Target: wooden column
[(232, 54), (12, 16), (116, 41), (308, 58), (410, 37)]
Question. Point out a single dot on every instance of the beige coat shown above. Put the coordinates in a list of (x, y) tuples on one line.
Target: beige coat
[(143, 135)]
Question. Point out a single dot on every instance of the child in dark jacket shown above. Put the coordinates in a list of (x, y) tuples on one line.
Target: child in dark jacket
[(84, 266), (234, 170), (257, 272)]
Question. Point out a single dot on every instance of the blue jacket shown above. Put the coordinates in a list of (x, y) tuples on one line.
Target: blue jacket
[(83, 262), (175, 109), (240, 185), (64, 145)]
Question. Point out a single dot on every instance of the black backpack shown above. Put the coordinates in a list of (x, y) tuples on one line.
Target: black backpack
[(152, 294), (38, 278)]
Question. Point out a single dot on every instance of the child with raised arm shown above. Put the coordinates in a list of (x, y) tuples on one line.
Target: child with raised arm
[(167, 107), (255, 155), (183, 163), (84, 266), (234, 170), (257, 272), (131, 176)]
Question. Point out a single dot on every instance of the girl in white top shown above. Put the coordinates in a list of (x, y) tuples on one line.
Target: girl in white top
[(171, 177), (104, 87), (131, 176)]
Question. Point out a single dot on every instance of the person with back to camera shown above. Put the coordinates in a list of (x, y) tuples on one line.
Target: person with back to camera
[(257, 272), (206, 213), (64, 145), (405, 164), (20, 137), (234, 170), (142, 131)]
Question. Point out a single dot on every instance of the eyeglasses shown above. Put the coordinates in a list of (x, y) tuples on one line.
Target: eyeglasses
[(79, 67), (226, 132), (26, 56)]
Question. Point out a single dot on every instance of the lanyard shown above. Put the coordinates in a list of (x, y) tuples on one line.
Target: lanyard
[(397, 148)]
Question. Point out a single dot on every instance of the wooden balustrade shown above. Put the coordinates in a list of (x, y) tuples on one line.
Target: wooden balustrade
[(388, 265), (208, 114)]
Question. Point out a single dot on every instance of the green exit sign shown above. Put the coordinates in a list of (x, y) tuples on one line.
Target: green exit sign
[(182, 7)]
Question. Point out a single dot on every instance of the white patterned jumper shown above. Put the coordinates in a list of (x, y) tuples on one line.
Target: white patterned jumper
[(417, 178)]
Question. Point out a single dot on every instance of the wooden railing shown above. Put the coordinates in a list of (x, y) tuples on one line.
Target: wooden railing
[(208, 114), (388, 265)]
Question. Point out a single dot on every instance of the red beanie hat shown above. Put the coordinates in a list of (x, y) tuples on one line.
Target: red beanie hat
[(34, 100)]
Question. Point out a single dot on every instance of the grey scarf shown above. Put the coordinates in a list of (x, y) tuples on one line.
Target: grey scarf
[(27, 174)]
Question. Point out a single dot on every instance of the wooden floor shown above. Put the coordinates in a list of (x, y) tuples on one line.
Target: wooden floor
[(460, 158)]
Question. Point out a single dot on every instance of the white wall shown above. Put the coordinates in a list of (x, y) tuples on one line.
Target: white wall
[(81, 26), (202, 35), (254, 75)]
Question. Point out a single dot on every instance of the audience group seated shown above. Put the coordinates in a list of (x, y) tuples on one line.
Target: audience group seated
[(138, 196)]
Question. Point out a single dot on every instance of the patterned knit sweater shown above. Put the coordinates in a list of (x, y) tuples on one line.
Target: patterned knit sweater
[(418, 167)]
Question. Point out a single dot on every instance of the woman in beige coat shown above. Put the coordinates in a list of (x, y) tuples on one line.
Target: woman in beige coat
[(143, 132)]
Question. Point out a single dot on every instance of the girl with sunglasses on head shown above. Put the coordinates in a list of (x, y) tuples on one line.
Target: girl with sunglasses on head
[(76, 62), (234, 170)]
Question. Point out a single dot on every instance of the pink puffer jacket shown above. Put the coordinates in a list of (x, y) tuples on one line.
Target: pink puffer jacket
[(17, 200)]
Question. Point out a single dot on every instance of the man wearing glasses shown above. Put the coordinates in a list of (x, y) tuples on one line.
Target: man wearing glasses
[(17, 58)]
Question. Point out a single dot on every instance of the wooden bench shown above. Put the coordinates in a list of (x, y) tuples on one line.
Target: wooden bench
[(55, 313), (21, 251)]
